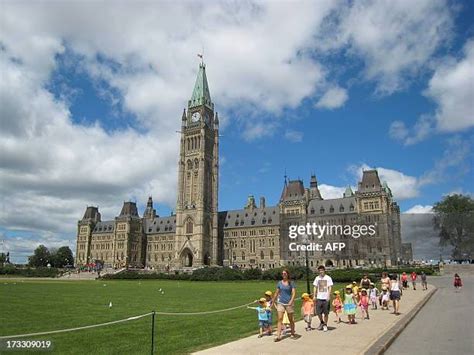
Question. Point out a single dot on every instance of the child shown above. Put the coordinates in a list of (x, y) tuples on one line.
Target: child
[(355, 291), (373, 294), (337, 305), (364, 303), (350, 307), (268, 297), (262, 310), (286, 324), (457, 282), (307, 310), (385, 298)]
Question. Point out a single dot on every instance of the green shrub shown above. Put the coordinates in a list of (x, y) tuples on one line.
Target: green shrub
[(9, 269)]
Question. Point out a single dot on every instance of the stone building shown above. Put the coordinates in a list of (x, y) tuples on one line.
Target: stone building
[(254, 236)]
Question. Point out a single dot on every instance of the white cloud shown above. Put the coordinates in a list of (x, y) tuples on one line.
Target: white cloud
[(256, 62), (395, 39), (333, 98), (293, 136), (452, 88), (420, 209), (403, 186), (329, 191)]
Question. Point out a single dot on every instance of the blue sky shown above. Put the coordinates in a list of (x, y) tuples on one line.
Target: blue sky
[(91, 107)]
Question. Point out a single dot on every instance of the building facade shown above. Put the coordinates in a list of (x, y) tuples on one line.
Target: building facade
[(254, 236)]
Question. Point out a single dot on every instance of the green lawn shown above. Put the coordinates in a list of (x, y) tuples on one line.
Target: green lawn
[(31, 306)]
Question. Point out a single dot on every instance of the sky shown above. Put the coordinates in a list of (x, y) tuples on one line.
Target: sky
[(91, 97)]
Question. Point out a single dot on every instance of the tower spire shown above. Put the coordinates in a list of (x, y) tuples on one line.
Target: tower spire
[(201, 94)]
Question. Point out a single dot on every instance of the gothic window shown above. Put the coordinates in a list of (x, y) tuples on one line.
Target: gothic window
[(196, 163), (351, 207), (243, 255), (190, 164), (262, 255), (331, 209), (270, 220), (321, 210), (341, 208), (252, 222), (312, 210), (271, 254), (189, 227), (236, 222), (264, 220)]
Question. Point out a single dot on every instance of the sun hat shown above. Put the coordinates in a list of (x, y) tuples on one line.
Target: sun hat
[(336, 292), (262, 300), (305, 295), (349, 286), (268, 293)]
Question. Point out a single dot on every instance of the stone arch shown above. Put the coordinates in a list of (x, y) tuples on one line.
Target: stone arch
[(186, 258), (329, 263)]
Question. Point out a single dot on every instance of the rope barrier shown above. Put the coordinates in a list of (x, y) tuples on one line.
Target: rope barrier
[(125, 320), (205, 312), (78, 328)]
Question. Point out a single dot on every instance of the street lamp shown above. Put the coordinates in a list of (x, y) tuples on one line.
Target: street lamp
[(305, 241)]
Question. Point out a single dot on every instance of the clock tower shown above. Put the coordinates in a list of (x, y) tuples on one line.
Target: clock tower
[(198, 172)]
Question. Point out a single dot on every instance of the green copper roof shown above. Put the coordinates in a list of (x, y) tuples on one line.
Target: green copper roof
[(348, 192), (201, 95), (387, 189)]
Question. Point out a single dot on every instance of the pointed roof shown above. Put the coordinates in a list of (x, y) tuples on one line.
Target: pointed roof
[(201, 94), (348, 192)]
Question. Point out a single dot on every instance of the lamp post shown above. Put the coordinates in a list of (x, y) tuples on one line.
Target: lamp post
[(305, 241)]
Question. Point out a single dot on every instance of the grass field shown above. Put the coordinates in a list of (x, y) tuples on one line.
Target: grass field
[(29, 306)]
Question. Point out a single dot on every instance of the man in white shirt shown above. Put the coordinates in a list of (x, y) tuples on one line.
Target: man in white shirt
[(322, 293)]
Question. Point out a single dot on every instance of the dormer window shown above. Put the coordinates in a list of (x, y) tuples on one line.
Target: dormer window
[(341, 208), (331, 209), (351, 207), (264, 220), (252, 222), (312, 210), (321, 211)]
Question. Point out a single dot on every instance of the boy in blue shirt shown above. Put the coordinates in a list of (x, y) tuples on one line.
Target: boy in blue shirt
[(263, 318)]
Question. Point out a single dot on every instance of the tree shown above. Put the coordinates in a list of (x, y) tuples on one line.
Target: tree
[(62, 257), (454, 218), (40, 257), (3, 259)]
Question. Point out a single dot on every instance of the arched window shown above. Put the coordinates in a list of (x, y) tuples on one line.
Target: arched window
[(190, 164), (271, 254), (243, 255), (196, 163), (341, 208), (262, 255), (189, 227), (331, 209), (321, 210)]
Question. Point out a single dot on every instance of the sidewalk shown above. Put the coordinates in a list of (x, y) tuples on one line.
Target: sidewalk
[(350, 339)]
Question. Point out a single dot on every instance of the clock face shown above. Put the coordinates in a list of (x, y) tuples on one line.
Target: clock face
[(195, 117)]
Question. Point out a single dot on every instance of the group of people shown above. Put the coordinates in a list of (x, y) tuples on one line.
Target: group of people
[(414, 277), (362, 295)]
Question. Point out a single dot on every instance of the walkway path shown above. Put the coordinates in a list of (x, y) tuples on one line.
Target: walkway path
[(349, 339), (445, 325)]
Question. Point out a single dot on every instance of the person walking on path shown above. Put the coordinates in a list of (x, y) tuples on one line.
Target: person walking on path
[(365, 282), (263, 321), (405, 280), (307, 310), (384, 283), (283, 300), (424, 284), (350, 306), (337, 306), (457, 282), (395, 294), (413, 276), (322, 293)]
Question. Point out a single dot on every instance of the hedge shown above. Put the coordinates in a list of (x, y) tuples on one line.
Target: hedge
[(296, 273), (29, 272)]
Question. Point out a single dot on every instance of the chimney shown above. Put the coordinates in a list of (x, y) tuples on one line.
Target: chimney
[(262, 202)]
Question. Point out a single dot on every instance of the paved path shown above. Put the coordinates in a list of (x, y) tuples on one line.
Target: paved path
[(349, 339), (445, 325)]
